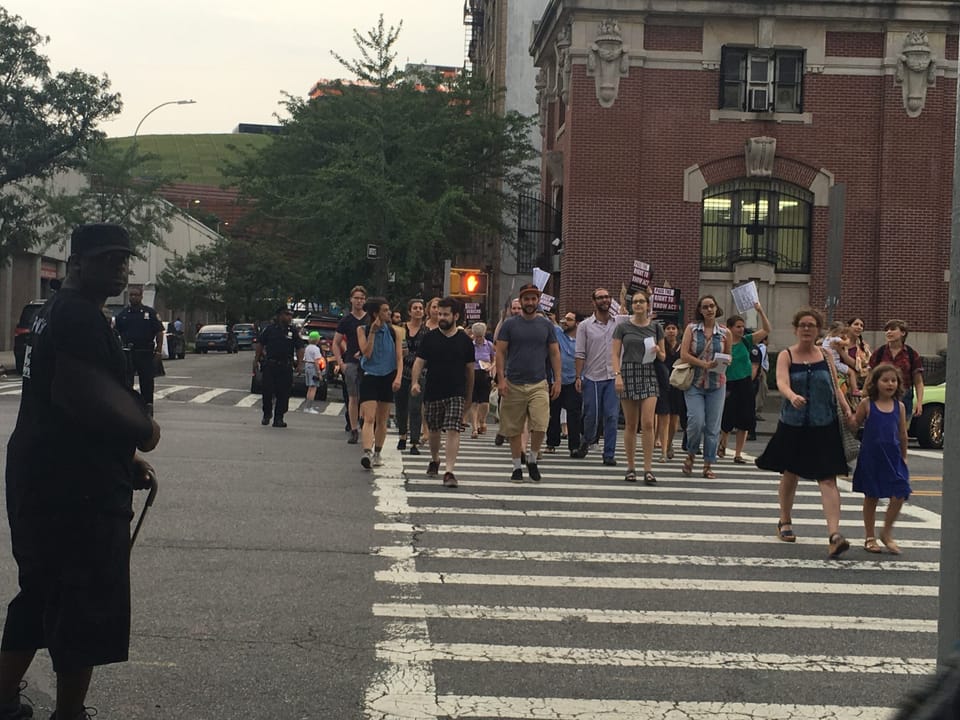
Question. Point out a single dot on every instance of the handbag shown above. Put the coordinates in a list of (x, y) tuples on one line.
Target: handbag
[(681, 377), (851, 446)]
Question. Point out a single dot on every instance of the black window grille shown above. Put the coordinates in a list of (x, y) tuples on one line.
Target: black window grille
[(756, 221), (538, 225), (761, 80)]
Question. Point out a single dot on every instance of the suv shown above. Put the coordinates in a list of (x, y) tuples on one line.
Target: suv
[(22, 332)]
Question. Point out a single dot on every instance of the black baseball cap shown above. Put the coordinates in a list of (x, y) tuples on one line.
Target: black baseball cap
[(529, 288), (99, 238)]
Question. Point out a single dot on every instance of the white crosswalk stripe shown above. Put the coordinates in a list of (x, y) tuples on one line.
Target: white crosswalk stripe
[(691, 559)]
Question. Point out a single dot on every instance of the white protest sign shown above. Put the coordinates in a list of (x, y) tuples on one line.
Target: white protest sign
[(546, 302), (540, 278), (745, 296)]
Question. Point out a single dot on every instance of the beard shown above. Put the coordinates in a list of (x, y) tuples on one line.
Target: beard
[(445, 324)]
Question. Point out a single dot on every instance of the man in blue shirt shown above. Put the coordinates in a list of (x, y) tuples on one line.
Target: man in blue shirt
[(142, 334), (569, 399)]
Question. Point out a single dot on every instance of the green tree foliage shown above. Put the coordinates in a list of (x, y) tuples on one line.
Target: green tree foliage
[(412, 162), (114, 192), (46, 120)]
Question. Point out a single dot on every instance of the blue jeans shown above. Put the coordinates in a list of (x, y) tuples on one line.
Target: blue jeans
[(704, 412), (600, 401)]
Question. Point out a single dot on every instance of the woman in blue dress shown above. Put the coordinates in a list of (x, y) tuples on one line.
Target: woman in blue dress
[(882, 465)]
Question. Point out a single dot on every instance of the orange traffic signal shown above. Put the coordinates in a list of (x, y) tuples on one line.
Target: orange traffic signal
[(471, 283), (468, 282)]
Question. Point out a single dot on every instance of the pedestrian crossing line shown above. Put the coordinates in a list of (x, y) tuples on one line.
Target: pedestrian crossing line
[(406, 551), (249, 400), (498, 613), (209, 395), (527, 708), (419, 651), (163, 392), (928, 454), (595, 533), (633, 517), (591, 582), (333, 408), (14, 391)]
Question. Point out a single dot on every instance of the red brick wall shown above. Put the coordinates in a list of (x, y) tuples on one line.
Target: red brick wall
[(673, 37), (952, 42), (624, 166), (855, 44)]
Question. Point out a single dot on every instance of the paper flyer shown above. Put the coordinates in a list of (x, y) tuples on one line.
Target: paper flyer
[(540, 278), (745, 296)]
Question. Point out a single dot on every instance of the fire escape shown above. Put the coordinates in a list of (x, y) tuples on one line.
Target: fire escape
[(473, 41)]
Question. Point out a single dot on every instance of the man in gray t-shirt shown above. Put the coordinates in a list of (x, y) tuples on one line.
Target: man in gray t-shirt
[(524, 345)]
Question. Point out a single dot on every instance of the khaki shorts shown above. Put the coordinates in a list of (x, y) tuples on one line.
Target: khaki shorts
[(529, 403)]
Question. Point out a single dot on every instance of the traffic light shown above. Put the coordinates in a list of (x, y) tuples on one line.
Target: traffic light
[(468, 282)]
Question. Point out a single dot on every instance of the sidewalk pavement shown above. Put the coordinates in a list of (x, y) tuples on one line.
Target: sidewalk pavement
[(8, 362)]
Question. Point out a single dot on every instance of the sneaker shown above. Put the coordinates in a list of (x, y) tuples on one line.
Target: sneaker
[(402, 444), (16, 708), (610, 462), (312, 411), (367, 459), (498, 440), (354, 437), (449, 480), (377, 460), (278, 422), (265, 420), (517, 476), (433, 469), (533, 471), (414, 450), (580, 452)]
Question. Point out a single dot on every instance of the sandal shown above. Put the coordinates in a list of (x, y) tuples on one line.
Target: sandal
[(482, 429), (649, 478), (670, 454), (473, 435), (721, 451), (870, 545), (890, 544), (737, 460), (709, 474), (687, 468), (786, 534), (838, 545), (631, 476)]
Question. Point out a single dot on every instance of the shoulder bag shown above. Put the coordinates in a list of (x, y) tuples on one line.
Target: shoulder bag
[(681, 377), (851, 446)]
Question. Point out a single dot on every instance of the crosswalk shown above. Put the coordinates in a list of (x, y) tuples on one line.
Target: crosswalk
[(585, 597)]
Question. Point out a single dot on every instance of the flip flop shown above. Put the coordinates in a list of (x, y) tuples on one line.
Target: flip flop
[(870, 545), (890, 544)]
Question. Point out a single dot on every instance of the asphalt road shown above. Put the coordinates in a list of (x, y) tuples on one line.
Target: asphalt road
[(277, 579)]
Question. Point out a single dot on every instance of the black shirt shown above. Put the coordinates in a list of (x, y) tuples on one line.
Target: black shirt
[(279, 341), (348, 328), (61, 463), (447, 359), (138, 326)]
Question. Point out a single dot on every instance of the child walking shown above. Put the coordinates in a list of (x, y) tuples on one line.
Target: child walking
[(312, 357), (881, 467)]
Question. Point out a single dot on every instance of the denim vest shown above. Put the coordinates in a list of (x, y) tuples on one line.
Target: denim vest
[(814, 381), (383, 361), (702, 378)]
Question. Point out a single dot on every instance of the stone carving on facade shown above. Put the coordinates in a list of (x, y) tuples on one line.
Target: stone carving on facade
[(564, 63), (608, 61), (916, 71), (760, 155), (541, 85)]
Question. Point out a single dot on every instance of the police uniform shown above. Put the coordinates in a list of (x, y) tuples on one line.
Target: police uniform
[(280, 343), (138, 328)]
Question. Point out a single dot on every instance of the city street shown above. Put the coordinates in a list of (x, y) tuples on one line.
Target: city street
[(275, 578)]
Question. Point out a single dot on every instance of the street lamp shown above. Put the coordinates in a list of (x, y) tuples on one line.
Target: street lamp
[(169, 102)]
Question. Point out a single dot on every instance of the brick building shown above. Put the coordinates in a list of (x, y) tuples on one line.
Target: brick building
[(704, 138)]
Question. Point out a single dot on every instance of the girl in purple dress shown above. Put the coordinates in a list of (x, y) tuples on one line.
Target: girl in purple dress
[(881, 467)]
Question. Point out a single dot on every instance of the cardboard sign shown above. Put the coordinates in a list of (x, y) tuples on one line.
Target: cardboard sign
[(665, 300), (642, 273)]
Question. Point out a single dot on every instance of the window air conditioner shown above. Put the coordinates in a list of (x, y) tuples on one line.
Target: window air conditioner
[(759, 100)]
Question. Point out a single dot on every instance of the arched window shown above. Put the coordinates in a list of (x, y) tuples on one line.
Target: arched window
[(756, 221)]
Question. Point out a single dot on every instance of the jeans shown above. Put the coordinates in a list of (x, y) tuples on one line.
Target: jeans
[(600, 401), (704, 412), (570, 400), (408, 409)]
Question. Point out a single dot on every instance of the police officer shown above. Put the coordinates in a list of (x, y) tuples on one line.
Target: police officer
[(276, 346), (142, 335)]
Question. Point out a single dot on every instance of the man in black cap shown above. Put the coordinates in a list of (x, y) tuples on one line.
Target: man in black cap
[(142, 334), (276, 346), (71, 471)]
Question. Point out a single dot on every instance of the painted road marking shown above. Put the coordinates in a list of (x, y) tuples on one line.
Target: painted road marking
[(248, 400), (209, 395), (333, 408), (169, 390)]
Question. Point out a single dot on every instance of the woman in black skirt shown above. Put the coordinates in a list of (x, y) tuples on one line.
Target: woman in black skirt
[(670, 405), (807, 440)]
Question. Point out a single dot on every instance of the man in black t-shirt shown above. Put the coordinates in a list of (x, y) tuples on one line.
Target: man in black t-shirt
[(71, 471), (276, 345), (346, 353), (448, 353)]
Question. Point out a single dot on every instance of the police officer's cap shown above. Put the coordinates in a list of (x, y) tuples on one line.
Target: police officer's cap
[(283, 309), (99, 238)]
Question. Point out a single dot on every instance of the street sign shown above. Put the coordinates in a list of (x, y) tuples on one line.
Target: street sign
[(373, 252)]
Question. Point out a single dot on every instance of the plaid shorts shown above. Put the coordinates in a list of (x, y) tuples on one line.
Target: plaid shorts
[(445, 414)]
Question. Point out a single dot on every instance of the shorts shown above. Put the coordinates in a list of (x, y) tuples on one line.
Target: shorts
[(377, 388), (640, 381), (74, 594), (351, 378), (310, 376), (481, 386), (524, 403), (445, 414)]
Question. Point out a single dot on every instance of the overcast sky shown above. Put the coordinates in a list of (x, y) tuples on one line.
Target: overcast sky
[(234, 57)]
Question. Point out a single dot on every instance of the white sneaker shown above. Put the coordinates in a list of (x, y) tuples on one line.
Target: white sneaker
[(377, 460), (366, 459)]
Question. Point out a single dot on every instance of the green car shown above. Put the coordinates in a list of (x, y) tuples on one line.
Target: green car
[(928, 427)]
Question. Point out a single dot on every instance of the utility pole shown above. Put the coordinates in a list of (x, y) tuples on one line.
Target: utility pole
[(949, 625)]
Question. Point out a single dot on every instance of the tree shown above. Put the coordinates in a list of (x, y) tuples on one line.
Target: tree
[(46, 120), (114, 193), (412, 162)]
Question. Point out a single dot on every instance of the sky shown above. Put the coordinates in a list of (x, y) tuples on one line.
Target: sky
[(236, 58)]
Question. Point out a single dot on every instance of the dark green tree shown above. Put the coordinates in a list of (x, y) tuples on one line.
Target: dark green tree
[(46, 121), (415, 163)]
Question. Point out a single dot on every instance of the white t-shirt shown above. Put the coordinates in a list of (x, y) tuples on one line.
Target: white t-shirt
[(311, 354)]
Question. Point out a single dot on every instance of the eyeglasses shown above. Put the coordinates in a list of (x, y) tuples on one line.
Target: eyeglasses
[(601, 297), (807, 326)]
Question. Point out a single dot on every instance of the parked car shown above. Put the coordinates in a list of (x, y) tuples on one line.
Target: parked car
[(216, 337), (246, 334), (22, 332), (928, 427), (175, 347)]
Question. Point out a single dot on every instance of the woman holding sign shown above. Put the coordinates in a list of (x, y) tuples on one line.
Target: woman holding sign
[(740, 406), (705, 346)]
